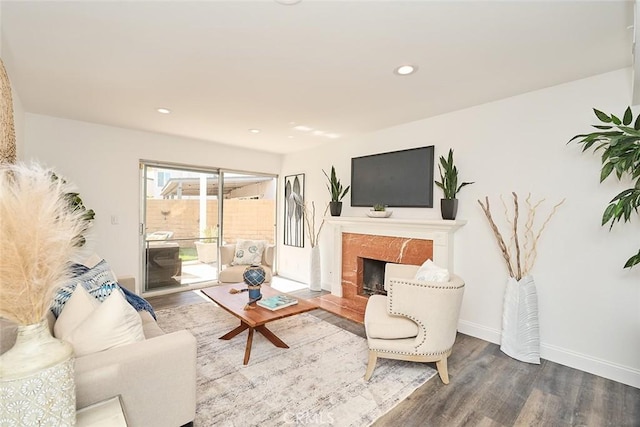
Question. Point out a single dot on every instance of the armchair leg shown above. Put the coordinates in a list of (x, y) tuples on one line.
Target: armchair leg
[(373, 357), (442, 370)]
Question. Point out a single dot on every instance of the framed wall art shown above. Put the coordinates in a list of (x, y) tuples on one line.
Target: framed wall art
[(294, 210)]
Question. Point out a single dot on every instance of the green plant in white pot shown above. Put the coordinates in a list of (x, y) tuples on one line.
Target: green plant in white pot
[(207, 248), (449, 185), (337, 192)]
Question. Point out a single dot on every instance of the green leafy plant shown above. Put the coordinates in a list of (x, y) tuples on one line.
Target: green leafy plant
[(620, 146), (210, 234), (378, 207), (449, 177), (335, 187), (75, 203)]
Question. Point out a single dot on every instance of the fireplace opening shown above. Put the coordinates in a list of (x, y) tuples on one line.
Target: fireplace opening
[(372, 277)]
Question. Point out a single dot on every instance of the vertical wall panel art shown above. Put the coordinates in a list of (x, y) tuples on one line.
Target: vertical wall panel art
[(294, 210)]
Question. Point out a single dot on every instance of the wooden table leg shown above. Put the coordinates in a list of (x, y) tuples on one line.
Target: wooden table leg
[(235, 332), (247, 350), (262, 329), (271, 336)]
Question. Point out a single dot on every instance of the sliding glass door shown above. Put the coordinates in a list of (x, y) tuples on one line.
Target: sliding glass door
[(181, 230)]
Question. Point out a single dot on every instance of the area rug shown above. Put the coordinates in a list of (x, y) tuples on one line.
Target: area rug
[(317, 381)]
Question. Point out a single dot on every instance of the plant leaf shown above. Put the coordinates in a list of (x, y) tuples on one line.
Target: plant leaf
[(616, 120), (608, 214), (628, 116), (602, 116), (634, 260), (606, 171)]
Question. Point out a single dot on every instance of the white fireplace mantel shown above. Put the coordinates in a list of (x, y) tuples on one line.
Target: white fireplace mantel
[(439, 231), (433, 224)]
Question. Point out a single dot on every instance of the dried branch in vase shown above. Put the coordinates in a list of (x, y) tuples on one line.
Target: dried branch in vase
[(520, 254), (310, 221)]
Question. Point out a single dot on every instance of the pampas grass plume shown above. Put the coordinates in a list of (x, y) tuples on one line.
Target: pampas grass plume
[(38, 238)]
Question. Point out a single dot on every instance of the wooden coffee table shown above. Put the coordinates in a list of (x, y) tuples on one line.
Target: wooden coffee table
[(257, 318)]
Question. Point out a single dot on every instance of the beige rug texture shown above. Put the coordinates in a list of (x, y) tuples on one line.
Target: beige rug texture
[(317, 381)]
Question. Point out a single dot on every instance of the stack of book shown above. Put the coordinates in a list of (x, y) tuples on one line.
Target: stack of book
[(277, 302)]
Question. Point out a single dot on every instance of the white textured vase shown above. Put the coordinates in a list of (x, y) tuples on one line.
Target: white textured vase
[(36, 380), (520, 327), (315, 277)]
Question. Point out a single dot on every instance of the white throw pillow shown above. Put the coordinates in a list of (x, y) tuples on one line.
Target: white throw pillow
[(114, 323), (79, 306), (248, 252), (430, 272)]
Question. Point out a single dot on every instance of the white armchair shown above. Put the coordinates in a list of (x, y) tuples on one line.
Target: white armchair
[(231, 273), (416, 321)]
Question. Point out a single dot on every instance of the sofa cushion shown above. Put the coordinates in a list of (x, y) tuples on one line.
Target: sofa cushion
[(112, 324), (149, 325), (379, 324), (248, 252)]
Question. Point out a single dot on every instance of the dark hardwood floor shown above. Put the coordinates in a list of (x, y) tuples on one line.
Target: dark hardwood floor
[(488, 388)]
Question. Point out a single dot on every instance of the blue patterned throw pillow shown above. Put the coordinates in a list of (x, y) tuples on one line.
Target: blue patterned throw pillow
[(99, 281)]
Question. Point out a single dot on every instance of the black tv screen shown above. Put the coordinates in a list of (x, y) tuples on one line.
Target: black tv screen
[(399, 178)]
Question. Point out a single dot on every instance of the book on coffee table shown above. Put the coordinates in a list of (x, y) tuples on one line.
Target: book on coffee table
[(277, 302)]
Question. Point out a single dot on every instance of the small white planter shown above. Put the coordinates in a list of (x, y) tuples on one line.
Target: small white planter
[(520, 326)]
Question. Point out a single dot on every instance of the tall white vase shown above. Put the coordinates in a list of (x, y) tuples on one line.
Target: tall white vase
[(315, 277), (36, 380), (520, 326)]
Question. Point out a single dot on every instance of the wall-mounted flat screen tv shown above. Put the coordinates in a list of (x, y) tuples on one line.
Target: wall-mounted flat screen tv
[(399, 178)]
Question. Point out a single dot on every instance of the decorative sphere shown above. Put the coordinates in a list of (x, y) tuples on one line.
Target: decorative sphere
[(254, 275)]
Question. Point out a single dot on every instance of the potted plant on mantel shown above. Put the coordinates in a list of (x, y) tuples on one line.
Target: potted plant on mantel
[(379, 211), (620, 142), (337, 192), (449, 185)]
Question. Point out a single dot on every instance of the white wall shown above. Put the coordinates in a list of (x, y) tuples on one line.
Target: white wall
[(589, 306), (103, 162)]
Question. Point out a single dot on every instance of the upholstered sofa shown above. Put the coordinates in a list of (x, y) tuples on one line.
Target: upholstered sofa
[(155, 378), (232, 273)]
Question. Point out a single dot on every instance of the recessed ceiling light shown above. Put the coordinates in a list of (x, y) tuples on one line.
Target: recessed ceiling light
[(254, 130), (288, 2), (405, 70), (163, 110), (303, 128)]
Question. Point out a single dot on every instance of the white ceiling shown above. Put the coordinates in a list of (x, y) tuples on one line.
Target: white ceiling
[(224, 67)]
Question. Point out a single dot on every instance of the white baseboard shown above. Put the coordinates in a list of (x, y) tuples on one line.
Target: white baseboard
[(292, 276), (563, 356), (590, 364), (479, 331)]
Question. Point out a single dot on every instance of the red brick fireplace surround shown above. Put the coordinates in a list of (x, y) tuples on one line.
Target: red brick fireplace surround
[(382, 239)]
